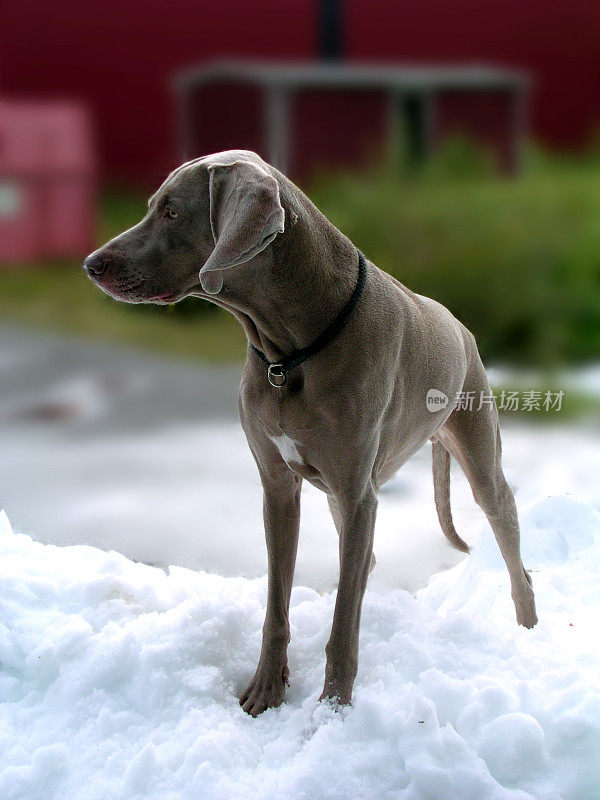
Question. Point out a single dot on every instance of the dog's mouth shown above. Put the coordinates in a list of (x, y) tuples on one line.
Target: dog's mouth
[(138, 294), (154, 299), (162, 299), (133, 286)]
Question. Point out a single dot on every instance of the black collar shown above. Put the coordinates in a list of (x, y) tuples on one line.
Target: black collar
[(277, 371)]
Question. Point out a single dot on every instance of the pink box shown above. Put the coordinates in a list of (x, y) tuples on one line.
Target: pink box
[(47, 181)]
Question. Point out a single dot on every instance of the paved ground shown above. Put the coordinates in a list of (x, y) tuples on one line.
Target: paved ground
[(109, 447), (106, 446), (98, 388)]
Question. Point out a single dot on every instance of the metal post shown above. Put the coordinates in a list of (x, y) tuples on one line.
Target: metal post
[(278, 127), (331, 34)]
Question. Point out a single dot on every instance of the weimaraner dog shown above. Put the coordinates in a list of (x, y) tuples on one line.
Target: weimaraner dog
[(341, 361)]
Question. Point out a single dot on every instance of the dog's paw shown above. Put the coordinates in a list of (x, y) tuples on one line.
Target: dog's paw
[(525, 603), (265, 690), (527, 617), (337, 693)]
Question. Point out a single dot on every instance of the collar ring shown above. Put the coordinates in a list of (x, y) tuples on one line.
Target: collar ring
[(277, 375)]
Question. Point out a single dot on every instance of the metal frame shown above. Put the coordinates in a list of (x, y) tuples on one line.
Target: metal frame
[(280, 81)]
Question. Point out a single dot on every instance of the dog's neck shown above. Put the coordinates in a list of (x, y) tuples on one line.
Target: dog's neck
[(293, 291)]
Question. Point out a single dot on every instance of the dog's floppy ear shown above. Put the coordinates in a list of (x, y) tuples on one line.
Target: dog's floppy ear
[(245, 216)]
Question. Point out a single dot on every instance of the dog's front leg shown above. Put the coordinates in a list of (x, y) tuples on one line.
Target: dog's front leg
[(356, 547), (282, 519)]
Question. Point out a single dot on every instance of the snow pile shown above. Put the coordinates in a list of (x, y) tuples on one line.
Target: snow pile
[(121, 681)]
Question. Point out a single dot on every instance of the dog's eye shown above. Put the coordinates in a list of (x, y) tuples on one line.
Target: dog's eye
[(172, 214)]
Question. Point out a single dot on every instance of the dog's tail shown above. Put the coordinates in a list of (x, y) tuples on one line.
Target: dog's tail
[(441, 491)]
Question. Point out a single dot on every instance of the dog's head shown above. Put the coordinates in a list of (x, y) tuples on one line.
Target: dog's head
[(209, 215)]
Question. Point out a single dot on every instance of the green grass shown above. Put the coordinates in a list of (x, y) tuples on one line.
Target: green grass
[(58, 296), (517, 260), (575, 405)]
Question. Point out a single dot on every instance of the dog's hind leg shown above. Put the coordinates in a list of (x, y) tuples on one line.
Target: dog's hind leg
[(472, 436)]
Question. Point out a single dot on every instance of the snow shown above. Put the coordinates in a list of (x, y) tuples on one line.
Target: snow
[(191, 496), (120, 680)]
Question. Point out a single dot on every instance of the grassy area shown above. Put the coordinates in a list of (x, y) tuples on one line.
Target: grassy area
[(58, 296), (517, 260), (574, 405)]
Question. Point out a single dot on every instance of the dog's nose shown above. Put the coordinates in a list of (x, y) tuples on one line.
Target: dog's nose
[(97, 264)]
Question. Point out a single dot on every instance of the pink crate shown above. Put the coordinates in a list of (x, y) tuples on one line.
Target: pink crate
[(47, 181)]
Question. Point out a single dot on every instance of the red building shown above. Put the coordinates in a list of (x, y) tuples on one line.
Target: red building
[(120, 56)]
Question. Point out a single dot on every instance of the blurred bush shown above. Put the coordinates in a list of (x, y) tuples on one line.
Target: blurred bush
[(517, 260)]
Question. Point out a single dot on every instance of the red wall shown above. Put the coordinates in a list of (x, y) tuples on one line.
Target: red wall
[(228, 116), (118, 55), (358, 118), (557, 41)]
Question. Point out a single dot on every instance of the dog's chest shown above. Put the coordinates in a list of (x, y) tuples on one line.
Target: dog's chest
[(301, 459), (295, 430), (288, 449), (297, 424)]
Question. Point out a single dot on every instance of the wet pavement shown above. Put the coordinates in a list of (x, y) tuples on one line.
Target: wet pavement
[(107, 446), (98, 388)]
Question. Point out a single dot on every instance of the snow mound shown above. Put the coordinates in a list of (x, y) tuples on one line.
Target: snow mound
[(121, 681)]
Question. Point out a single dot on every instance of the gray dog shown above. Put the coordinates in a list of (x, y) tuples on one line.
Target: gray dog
[(341, 364)]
